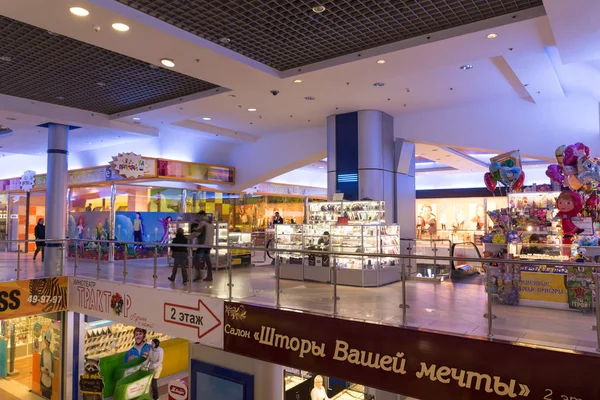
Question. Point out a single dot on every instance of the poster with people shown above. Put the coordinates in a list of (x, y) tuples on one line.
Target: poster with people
[(88, 228), (426, 221)]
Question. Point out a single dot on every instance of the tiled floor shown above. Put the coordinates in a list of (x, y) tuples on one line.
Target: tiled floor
[(449, 307)]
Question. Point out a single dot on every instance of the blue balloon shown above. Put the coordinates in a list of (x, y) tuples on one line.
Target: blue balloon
[(495, 166)]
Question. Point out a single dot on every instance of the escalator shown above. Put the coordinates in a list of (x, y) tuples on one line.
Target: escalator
[(468, 272)]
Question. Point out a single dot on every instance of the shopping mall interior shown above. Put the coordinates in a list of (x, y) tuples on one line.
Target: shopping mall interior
[(363, 166)]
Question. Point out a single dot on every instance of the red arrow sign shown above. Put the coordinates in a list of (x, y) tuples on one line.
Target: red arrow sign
[(201, 317)]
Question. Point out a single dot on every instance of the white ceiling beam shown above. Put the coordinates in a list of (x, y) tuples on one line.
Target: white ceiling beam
[(46, 112), (537, 75), (214, 132), (576, 28)]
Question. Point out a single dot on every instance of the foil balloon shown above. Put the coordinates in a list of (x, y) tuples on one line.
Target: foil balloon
[(555, 173), (588, 171), (573, 182), (559, 153), (592, 201), (587, 188), (495, 166), (574, 152), (569, 204), (490, 183), (509, 175), (519, 182)]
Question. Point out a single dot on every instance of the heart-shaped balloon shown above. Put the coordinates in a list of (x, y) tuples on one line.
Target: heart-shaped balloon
[(519, 182), (509, 175), (592, 201), (490, 183), (495, 166), (554, 172), (574, 182)]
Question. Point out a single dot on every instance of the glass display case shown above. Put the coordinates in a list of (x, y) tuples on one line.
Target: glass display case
[(357, 212), (359, 270)]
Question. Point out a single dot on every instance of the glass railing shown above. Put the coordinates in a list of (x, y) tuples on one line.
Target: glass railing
[(541, 299)]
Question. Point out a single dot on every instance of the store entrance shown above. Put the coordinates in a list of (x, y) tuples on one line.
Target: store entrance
[(30, 353), (116, 355)]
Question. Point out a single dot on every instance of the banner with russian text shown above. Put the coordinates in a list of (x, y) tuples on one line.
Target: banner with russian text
[(411, 362)]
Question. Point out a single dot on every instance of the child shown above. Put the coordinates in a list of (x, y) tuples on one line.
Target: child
[(179, 256)]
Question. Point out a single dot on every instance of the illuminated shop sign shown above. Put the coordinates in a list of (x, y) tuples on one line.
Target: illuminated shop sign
[(195, 172), (411, 362)]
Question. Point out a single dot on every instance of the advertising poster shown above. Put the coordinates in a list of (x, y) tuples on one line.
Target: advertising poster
[(183, 315), (91, 383), (414, 362), (89, 225), (579, 285), (543, 287), (32, 297), (509, 282)]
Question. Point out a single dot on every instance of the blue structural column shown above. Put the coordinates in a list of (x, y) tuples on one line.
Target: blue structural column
[(366, 161), (56, 196)]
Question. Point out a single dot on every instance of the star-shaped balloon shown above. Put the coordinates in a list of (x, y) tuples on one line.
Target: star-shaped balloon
[(580, 292)]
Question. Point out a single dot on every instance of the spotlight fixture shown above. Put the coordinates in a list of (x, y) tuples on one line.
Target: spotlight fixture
[(492, 35), (252, 109), (136, 118), (101, 84), (80, 12), (88, 142), (206, 118), (318, 9), (379, 84), (298, 81), (309, 98), (466, 67), (5, 58), (224, 40), (118, 26), (380, 61), (167, 62)]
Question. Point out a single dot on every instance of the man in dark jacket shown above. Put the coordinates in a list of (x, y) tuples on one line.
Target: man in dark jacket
[(40, 235)]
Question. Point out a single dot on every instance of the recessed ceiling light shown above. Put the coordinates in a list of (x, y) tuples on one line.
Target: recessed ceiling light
[(167, 62), (118, 26), (102, 84), (298, 81), (136, 118), (232, 95), (88, 142), (318, 9), (380, 61), (309, 98), (206, 118), (378, 84), (224, 40), (492, 36), (252, 109), (80, 12), (466, 67), (5, 58)]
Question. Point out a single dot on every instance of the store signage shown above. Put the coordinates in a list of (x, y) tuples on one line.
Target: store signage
[(32, 297), (543, 287), (279, 189), (129, 165), (27, 180), (196, 172), (410, 362), (200, 318), (178, 390), (183, 315)]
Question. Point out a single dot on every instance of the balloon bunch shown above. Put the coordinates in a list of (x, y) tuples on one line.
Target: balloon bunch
[(506, 169), (574, 168)]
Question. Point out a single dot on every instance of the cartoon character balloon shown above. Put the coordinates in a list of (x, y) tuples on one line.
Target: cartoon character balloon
[(569, 204), (506, 169)]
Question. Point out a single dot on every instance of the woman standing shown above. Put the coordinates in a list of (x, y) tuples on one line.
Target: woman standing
[(40, 235), (47, 367), (154, 364), (318, 392)]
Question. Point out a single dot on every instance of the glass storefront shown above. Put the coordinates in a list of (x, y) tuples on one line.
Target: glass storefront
[(30, 356)]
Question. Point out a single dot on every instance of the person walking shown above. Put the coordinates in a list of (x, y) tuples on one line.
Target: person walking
[(154, 364), (40, 234), (179, 256), (209, 236)]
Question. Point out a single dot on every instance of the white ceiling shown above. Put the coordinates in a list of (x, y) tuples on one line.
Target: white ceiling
[(522, 66)]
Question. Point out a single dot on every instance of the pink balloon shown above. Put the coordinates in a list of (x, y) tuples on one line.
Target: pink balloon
[(490, 183), (573, 152), (555, 173), (592, 201)]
